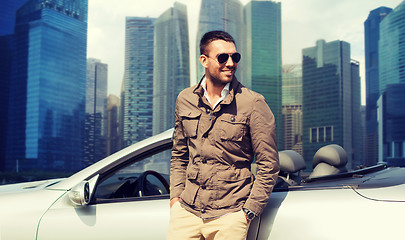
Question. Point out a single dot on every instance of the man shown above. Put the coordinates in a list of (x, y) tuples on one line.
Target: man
[(221, 126)]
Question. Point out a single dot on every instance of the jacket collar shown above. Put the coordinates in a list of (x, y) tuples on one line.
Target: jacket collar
[(232, 90)]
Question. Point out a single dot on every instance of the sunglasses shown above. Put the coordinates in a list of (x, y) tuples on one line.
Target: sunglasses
[(223, 57)]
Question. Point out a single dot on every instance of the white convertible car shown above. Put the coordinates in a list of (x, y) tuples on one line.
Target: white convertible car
[(125, 196)]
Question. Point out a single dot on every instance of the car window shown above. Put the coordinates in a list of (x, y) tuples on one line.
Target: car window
[(148, 176)]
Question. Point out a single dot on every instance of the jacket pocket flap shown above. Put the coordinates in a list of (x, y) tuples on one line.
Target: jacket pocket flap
[(233, 128), (190, 114), (190, 122)]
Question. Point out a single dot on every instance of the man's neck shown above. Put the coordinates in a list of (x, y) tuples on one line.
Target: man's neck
[(214, 90)]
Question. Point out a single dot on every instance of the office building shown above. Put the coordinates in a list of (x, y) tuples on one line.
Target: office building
[(292, 107), (392, 48), (224, 15), (113, 113), (95, 128), (8, 12), (137, 89), (47, 88), (391, 120), (263, 67), (171, 69), (7, 22), (371, 38), (329, 84)]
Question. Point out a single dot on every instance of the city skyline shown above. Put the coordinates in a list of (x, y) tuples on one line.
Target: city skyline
[(107, 29)]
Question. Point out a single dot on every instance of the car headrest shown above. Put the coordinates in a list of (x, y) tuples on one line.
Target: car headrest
[(324, 169), (332, 154), (291, 161)]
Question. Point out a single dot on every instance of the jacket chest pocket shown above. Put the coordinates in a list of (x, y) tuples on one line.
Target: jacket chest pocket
[(233, 128), (190, 123)]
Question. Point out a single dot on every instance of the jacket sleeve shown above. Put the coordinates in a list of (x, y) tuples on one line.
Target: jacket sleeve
[(179, 159), (263, 136)]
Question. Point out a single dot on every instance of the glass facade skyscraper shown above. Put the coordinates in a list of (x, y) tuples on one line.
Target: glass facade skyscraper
[(95, 128), (392, 78), (7, 15), (263, 65), (225, 15), (371, 38), (171, 70), (392, 48), (7, 22), (47, 91), (329, 82), (292, 107), (391, 113), (137, 94), (113, 124)]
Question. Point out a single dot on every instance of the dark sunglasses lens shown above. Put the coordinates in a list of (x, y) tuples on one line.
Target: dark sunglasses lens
[(236, 57), (223, 57)]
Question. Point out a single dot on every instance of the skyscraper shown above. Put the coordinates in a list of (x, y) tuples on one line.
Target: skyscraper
[(113, 137), (171, 70), (95, 128), (328, 77), (7, 15), (371, 38), (47, 91), (7, 22), (263, 66), (392, 78), (391, 115), (225, 15), (137, 94), (292, 107), (392, 48)]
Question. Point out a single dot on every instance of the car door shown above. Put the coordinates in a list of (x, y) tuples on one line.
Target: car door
[(120, 208)]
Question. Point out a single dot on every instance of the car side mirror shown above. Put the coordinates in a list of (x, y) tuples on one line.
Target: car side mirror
[(80, 194)]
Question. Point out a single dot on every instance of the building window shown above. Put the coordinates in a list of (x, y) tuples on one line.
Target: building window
[(321, 134)]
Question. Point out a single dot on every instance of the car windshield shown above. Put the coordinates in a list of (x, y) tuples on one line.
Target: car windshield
[(85, 79)]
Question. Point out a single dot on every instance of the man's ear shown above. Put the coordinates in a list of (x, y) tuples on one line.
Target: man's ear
[(203, 61)]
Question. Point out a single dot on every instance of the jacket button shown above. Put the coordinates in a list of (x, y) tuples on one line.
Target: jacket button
[(204, 161), (232, 119), (208, 110), (203, 210)]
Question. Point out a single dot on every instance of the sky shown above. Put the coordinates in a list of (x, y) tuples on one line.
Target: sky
[(303, 23)]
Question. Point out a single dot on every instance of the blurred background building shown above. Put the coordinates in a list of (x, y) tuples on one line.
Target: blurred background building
[(48, 86), (171, 68), (292, 107), (331, 99), (262, 67), (95, 124), (371, 39), (391, 119), (137, 88)]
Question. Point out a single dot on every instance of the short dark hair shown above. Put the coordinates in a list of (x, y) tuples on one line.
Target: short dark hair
[(212, 36)]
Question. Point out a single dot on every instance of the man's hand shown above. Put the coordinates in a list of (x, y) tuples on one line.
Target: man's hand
[(173, 201)]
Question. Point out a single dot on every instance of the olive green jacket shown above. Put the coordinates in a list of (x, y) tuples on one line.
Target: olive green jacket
[(213, 151)]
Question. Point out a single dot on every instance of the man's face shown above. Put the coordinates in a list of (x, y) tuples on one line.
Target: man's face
[(219, 73)]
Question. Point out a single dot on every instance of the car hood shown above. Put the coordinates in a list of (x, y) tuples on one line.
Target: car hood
[(28, 186)]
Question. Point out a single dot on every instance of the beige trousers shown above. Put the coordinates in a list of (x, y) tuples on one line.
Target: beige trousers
[(185, 225)]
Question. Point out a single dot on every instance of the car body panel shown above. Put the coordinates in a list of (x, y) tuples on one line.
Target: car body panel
[(361, 204), (141, 219), (21, 212), (329, 214)]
